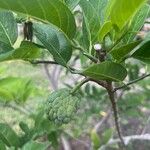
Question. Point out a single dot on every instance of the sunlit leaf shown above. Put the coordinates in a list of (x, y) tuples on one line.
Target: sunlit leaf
[(105, 29), (123, 10), (15, 89), (94, 11), (137, 23), (53, 11)]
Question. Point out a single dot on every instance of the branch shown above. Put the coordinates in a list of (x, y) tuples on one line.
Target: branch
[(72, 70), (115, 111), (101, 83), (132, 82)]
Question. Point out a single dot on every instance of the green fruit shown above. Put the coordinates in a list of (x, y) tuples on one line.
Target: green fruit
[(61, 106)]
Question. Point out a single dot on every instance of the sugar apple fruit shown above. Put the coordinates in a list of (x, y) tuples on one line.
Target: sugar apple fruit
[(61, 106)]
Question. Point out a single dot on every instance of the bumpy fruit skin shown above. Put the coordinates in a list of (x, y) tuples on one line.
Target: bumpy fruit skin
[(61, 106)]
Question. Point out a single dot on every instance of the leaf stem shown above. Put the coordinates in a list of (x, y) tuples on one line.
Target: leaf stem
[(77, 46), (95, 60)]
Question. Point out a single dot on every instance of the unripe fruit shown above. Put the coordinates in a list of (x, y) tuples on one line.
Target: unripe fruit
[(61, 106)]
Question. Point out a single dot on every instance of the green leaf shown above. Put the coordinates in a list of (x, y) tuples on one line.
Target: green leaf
[(34, 146), (41, 123), (53, 11), (15, 89), (26, 51), (5, 95), (55, 41), (137, 23), (8, 136), (105, 29), (4, 48), (123, 10), (24, 127), (142, 53), (106, 71), (95, 139), (2, 145), (119, 53), (107, 136), (94, 11), (53, 138), (8, 28), (72, 3)]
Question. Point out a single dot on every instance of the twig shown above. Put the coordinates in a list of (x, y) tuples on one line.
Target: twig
[(43, 62), (132, 82)]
